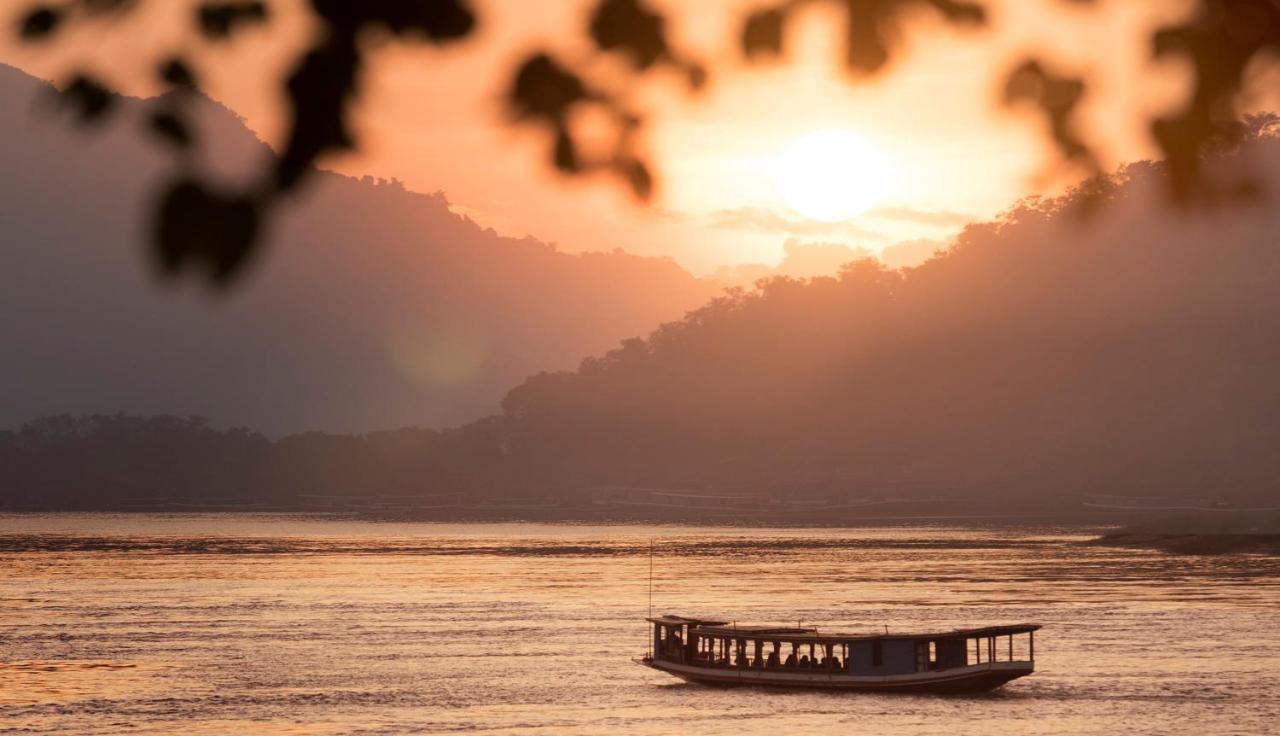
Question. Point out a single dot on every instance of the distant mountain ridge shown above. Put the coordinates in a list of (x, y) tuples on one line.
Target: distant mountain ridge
[(1042, 361), (375, 306)]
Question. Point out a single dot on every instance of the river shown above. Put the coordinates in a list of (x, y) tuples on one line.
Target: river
[(215, 624)]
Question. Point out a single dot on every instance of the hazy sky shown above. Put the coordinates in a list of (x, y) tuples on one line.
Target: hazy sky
[(434, 119)]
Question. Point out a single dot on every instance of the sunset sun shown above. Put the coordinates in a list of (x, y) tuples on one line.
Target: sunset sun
[(831, 175)]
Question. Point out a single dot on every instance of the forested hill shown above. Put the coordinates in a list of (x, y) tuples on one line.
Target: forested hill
[(375, 307), (1133, 350)]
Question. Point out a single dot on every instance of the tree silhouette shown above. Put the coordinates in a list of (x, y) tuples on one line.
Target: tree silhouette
[(215, 231)]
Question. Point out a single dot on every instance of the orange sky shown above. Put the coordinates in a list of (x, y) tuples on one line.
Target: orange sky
[(434, 119)]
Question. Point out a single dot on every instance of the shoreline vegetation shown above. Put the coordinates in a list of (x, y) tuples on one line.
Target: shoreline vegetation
[(766, 512), (166, 464)]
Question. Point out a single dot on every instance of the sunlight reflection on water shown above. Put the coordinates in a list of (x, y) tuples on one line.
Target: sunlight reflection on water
[(212, 624)]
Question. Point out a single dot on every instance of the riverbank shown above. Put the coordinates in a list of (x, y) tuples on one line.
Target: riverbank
[(1195, 544), (1225, 532)]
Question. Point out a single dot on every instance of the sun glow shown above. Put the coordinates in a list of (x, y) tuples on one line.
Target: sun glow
[(831, 175)]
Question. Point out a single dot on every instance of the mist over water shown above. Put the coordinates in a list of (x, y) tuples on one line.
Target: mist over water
[(215, 624)]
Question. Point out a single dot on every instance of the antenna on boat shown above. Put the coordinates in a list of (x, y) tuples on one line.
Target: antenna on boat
[(651, 594), (650, 577)]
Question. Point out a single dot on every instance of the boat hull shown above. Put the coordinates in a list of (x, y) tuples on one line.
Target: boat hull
[(974, 678)]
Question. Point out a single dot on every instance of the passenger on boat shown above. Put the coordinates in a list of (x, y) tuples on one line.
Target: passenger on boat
[(804, 660), (791, 659), (674, 645), (835, 663), (772, 662)]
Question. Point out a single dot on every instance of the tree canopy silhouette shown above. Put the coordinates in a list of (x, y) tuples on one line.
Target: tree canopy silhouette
[(215, 231)]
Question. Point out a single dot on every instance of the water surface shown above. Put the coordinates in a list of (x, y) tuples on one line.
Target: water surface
[(223, 623)]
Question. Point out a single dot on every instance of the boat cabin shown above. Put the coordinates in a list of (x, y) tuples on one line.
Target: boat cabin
[(697, 644)]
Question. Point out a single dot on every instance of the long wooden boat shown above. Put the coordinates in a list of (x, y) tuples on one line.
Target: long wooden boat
[(723, 653)]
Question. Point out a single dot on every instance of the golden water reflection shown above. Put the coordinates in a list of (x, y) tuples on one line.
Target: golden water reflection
[(216, 624)]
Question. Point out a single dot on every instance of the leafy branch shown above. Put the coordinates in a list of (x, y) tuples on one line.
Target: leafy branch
[(215, 231)]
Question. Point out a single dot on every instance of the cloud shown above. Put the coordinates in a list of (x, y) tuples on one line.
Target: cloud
[(911, 252), (762, 219), (663, 214), (768, 221), (818, 259), (801, 260), (937, 218), (808, 259)]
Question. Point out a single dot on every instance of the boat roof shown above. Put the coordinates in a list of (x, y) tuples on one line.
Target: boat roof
[(670, 620), (813, 635), (809, 634)]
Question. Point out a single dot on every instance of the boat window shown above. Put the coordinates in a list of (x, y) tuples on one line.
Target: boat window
[(877, 653)]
